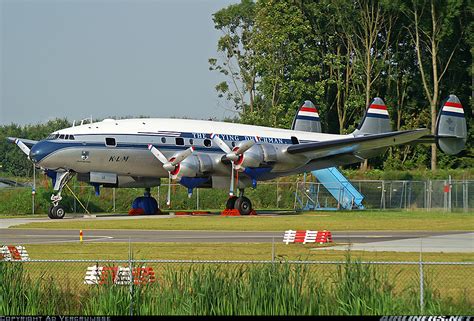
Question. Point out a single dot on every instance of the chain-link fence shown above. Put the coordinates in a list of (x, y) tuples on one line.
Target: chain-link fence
[(455, 195), (240, 287), (392, 194)]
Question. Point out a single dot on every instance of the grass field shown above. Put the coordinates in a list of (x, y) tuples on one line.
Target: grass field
[(224, 251), (337, 221)]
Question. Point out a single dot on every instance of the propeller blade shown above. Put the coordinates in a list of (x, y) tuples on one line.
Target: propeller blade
[(182, 156), (22, 146), (231, 190), (244, 147), (168, 197), (156, 152), (219, 142)]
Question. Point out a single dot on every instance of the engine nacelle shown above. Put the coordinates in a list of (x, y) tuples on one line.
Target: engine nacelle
[(257, 155), (188, 167)]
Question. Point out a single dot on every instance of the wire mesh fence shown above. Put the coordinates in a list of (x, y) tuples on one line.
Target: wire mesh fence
[(241, 287), (455, 195)]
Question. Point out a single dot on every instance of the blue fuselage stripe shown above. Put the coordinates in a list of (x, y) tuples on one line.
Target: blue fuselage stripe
[(377, 116), (450, 113), (308, 118)]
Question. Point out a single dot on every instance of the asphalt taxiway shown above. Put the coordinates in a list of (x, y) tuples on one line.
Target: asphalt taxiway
[(398, 241)]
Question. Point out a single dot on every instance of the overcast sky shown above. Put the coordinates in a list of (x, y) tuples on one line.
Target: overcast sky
[(77, 58)]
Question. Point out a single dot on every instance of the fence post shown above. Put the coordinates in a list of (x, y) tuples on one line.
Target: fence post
[(130, 266), (197, 199), (382, 198), (465, 199), (422, 289), (278, 199), (113, 198), (449, 194), (33, 191)]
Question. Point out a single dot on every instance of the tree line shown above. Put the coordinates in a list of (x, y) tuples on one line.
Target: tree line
[(275, 54)]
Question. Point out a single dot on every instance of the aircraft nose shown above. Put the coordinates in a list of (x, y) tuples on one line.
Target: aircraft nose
[(39, 151)]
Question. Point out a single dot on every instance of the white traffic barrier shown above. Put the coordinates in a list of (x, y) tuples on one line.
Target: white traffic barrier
[(118, 275), (13, 253), (289, 236), (307, 236)]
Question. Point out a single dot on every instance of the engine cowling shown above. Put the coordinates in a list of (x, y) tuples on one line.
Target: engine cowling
[(188, 167), (257, 155)]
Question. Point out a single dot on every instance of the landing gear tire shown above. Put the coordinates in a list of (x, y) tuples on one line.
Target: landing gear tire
[(50, 212), (56, 212), (231, 203), (59, 212), (244, 205)]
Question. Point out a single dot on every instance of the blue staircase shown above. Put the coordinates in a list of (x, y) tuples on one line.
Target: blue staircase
[(347, 196)]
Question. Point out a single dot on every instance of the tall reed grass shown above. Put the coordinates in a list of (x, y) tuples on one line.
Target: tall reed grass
[(204, 289)]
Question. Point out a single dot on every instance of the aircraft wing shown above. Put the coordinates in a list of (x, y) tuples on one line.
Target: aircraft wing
[(352, 145), (27, 142)]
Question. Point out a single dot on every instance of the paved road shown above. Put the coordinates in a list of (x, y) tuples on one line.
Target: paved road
[(406, 241)]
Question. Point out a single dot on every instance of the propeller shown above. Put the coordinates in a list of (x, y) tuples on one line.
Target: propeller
[(22, 146), (172, 165), (235, 155)]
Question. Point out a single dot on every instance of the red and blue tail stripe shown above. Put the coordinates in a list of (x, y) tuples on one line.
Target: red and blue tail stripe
[(308, 112), (452, 108), (378, 109)]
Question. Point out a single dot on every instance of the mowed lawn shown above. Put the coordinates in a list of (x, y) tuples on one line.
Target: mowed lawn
[(332, 221), (224, 251)]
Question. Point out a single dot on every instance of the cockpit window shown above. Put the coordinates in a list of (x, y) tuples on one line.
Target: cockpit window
[(61, 136)]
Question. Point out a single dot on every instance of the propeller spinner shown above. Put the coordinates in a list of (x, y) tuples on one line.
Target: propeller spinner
[(235, 155)]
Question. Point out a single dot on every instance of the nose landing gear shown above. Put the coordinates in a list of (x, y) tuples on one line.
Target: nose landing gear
[(57, 211)]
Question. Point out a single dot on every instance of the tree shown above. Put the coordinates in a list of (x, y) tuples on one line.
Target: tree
[(236, 23), (432, 23)]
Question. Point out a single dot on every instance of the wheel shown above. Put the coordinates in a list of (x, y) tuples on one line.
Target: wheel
[(231, 203), (58, 212), (50, 212), (244, 205)]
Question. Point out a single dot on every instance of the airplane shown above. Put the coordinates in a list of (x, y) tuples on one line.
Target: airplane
[(210, 154)]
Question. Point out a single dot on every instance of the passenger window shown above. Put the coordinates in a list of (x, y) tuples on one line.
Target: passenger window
[(163, 140), (71, 137), (66, 137), (110, 142), (207, 142), (179, 141), (191, 141)]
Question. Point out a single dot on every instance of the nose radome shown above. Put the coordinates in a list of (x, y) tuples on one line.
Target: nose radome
[(39, 150), (34, 152)]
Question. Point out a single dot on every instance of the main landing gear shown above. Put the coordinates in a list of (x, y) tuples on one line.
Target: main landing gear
[(241, 204), (57, 211)]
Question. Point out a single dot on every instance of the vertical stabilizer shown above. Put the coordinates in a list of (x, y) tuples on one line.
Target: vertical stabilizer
[(376, 119), (307, 118), (451, 128)]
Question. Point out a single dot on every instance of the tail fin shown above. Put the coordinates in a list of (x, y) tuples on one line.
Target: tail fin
[(307, 118), (376, 119), (451, 128)]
